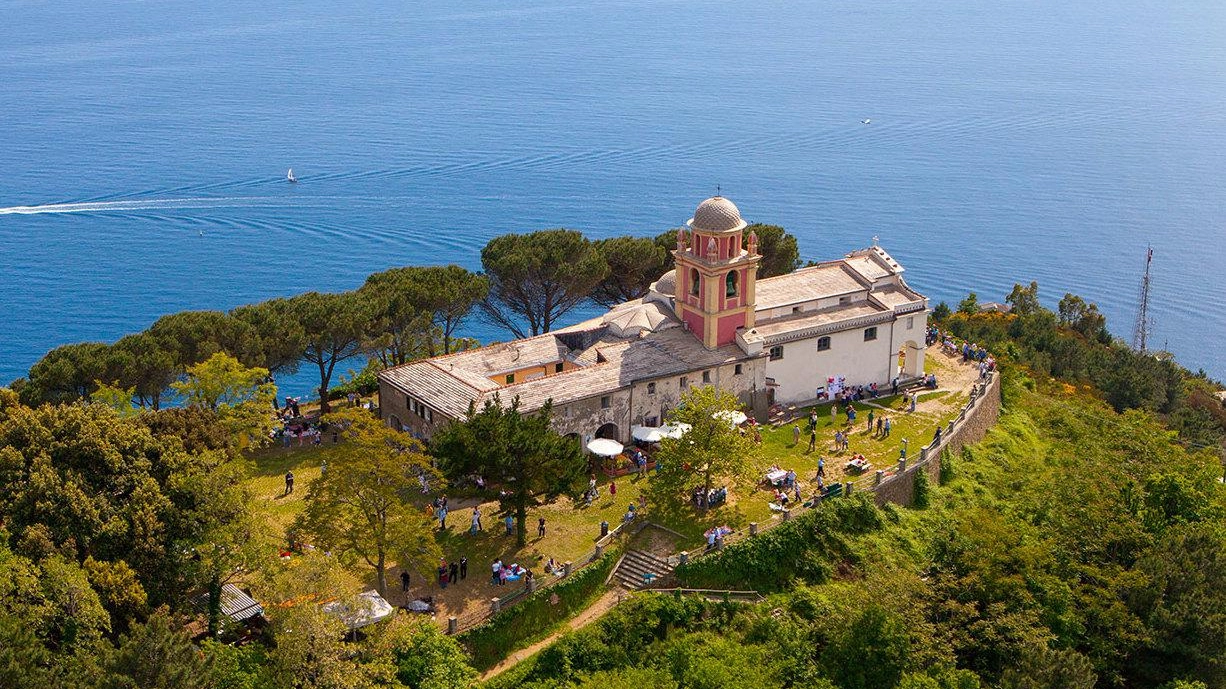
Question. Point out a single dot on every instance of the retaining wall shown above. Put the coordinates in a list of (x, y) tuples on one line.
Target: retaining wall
[(968, 428)]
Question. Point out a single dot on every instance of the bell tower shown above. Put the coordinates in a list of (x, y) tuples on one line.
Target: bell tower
[(715, 275)]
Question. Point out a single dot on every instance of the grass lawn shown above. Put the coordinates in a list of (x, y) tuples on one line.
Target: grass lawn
[(572, 529)]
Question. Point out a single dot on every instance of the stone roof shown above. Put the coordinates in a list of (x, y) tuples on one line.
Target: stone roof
[(820, 281), (606, 363), (716, 214), (807, 323)]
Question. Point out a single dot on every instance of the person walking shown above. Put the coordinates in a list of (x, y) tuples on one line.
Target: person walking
[(914, 397), (612, 487), (879, 420), (463, 568), (289, 482), (540, 527), (821, 467), (813, 439), (404, 580)]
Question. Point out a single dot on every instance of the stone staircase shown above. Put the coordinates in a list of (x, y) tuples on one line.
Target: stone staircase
[(640, 570)]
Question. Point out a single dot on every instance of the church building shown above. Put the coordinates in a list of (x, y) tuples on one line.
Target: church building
[(710, 321)]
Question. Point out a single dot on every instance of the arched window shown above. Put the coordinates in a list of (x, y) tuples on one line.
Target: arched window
[(694, 281), (730, 285)]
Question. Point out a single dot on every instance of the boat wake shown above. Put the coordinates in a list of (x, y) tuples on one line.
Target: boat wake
[(142, 205)]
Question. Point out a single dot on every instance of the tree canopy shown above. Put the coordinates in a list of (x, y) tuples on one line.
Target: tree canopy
[(361, 505), (334, 327), (712, 449), (537, 278), (634, 263), (520, 454), (780, 253)]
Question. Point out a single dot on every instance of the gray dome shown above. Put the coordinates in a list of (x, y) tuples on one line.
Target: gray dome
[(717, 214)]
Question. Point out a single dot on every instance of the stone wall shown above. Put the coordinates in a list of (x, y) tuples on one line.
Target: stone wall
[(970, 426)]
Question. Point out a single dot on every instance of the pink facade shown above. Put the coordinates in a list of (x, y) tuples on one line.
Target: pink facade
[(695, 322), (728, 326)]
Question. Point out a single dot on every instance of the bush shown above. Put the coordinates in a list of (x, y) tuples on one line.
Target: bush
[(921, 495), (806, 548)]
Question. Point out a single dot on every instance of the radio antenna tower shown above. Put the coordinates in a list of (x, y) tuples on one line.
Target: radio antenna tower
[(1140, 337)]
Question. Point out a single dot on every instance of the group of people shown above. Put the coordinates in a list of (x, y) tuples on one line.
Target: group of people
[(500, 574), (707, 498), (448, 573)]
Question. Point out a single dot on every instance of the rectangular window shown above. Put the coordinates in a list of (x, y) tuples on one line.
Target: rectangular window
[(429, 414), (844, 301), (870, 334), (910, 322), (776, 352), (737, 371), (651, 388), (706, 376), (685, 383), (823, 343), (510, 378), (604, 402), (557, 368), (795, 309)]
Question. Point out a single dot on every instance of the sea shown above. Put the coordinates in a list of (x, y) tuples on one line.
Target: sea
[(144, 146)]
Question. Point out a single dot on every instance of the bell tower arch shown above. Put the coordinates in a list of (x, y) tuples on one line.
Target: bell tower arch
[(715, 275)]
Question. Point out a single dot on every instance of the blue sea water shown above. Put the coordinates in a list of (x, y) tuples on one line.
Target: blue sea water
[(143, 146)]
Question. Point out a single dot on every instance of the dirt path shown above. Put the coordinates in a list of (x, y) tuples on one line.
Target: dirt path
[(593, 612)]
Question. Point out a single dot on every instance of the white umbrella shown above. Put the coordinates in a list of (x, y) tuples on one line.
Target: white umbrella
[(732, 416), (674, 429), (647, 434), (605, 447)]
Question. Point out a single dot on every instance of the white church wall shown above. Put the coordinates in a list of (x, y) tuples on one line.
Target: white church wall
[(803, 369)]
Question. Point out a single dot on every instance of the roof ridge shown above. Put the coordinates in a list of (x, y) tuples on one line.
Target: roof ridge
[(434, 363)]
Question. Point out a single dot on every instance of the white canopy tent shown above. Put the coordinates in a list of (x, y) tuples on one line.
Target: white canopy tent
[(647, 434), (732, 416), (605, 447)]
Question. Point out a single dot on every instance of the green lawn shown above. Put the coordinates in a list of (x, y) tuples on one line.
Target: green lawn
[(572, 529)]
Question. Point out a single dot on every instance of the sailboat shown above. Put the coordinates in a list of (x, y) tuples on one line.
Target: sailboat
[(290, 176)]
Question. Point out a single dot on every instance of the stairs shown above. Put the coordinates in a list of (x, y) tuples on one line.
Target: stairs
[(640, 570)]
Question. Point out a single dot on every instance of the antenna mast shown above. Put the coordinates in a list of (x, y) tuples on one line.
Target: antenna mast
[(1140, 336)]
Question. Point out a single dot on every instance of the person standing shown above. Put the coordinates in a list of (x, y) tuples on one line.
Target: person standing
[(796, 434), (453, 573), (463, 568), (289, 482), (442, 573), (821, 467), (496, 569), (404, 580), (813, 439), (879, 420), (887, 428), (476, 526), (870, 420), (510, 523), (540, 527), (834, 412), (442, 518)]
